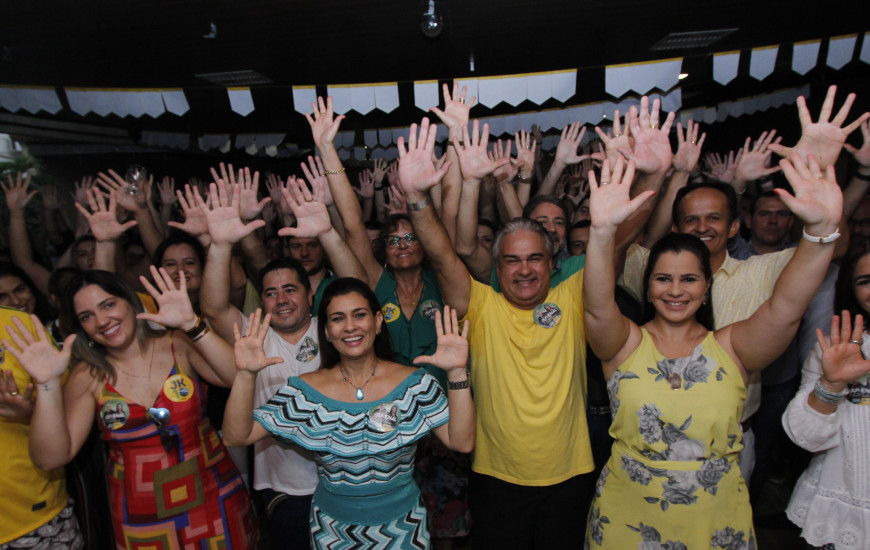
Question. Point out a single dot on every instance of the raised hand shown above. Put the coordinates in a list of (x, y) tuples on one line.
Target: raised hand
[(652, 147), (14, 404), (688, 148), (722, 169), (393, 171), (379, 171), (506, 172), (38, 355), (324, 125), (842, 362), (366, 185), (114, 184), (396, 200), (194, 218), (49, 197), (269, 213), (825, 138), (249, 188), (274, 185), (610, 202), (526, 149), (456, 109), (316, 177), (754, 163), (166, 191), (862, 155), (416, 172), (221, 213), (817, 199), (312, 218), (103, 219), (566, 151), (17, 195), (474, 160), (452, 350), (248, 348), (79, 195), (175, 310), (620, 139)]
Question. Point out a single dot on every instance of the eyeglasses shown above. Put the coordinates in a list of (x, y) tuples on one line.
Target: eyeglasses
[(394, 241), (161, 417)]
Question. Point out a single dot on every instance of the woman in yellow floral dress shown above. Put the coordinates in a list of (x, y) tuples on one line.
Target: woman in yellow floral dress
[(676, 387)]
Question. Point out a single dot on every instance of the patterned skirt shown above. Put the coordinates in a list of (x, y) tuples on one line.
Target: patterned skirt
[(407, 531)]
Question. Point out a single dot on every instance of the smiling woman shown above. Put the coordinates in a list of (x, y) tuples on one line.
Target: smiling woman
[(18, 292), (144, 386), (362, 415)]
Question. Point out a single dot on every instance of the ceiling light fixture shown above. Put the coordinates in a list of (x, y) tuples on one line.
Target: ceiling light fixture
[(681, 76), (431, 22)]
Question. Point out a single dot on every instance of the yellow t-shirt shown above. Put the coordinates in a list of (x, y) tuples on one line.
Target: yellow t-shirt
[(30, 496), (529, 377)]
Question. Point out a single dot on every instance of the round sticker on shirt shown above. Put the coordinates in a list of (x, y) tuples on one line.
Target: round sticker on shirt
[(384, 417), (178, 388), (391, 312), (428, 308), (547, 315), (114, 414), (307, 351)]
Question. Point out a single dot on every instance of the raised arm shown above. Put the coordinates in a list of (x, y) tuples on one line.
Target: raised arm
[(62, 415), (753, 163), (566, 153), (684, 162), (607, 330), (225, 228), (105, 228), (17, 198), (452, 356), (856, 189), (824, 138), (324, 127), (417, 175), (135, 203), (455, 115), (312, 220), (818, 201), (475, 165), (652, 154), (239, 428), (209, 354)]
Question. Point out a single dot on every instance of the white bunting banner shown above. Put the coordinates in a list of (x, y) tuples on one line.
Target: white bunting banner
[(805, 56), (762, 62), (865, 49), (241, 101), (426, 94), (840, 50), (31, 100), (303, 97), (725, 67), (175, 102)]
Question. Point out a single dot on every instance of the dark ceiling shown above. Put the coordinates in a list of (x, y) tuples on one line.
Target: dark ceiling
[(160, 44)]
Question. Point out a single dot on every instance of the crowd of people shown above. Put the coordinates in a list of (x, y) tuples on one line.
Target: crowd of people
[(614, 347)]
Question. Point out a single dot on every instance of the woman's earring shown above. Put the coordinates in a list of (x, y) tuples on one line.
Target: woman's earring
[(91, 343), (705, 299), (327, 339), (648, 296)]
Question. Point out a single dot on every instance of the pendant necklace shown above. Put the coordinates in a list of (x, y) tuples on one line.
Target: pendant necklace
[(359, 389)]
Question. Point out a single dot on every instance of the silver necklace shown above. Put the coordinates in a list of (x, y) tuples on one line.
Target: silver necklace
[(359, 389)]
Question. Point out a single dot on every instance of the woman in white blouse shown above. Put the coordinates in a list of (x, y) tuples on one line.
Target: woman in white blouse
[(830, 416)]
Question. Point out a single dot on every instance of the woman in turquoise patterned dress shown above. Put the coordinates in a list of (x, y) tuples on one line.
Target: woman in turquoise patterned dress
[(676, 387), (362, 415)]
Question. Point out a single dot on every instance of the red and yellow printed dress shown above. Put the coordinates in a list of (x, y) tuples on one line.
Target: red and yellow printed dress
[(174, 488)]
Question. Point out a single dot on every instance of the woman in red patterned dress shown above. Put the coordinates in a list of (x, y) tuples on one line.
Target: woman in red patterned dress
[(172, 484)]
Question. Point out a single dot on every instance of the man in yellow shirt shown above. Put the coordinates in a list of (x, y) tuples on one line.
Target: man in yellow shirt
[(34, 507), (531, 484)]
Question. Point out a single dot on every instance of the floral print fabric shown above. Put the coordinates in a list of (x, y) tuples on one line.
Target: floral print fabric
[(672, 481)]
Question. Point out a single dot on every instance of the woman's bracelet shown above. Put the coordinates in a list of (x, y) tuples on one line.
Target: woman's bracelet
[(459, 385), (827, 396), (334, 172), (199, 330)]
